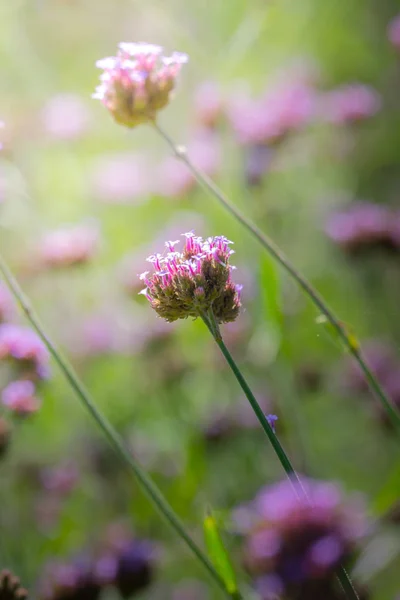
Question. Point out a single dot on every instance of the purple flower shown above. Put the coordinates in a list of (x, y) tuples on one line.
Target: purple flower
[(293, 547), (194, 281), (365, 225), (20, 398), (138, 82), (70, 245), (349, 103), (24, 347), (208, 104)]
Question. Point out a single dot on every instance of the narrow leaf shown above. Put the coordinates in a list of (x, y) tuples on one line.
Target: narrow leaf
[(218, 554)]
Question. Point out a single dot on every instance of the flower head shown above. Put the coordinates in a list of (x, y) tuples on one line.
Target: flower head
[(138, 82), (294, 547), (19, 396), (350, 103), (23, 346), (194, 281), (71, 245)]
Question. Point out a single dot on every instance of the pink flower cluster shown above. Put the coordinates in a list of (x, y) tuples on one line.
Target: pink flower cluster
[(19, 396), (286, 108), (138, 82), (29, 359), (294, 546), (349, 103), (365, 225), (24, 347), (194, 281), (69, 246)]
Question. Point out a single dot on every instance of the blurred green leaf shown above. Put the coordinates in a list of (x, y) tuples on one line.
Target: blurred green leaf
[(218, 554)]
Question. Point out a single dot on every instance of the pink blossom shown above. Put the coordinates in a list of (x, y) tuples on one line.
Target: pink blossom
[(138, 82), (394, 31), (65, 116), (352, 102), (71, 245), (23, 345), (283, 109), (19, 396)]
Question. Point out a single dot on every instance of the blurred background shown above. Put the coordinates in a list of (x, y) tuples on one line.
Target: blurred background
[(293, 108)]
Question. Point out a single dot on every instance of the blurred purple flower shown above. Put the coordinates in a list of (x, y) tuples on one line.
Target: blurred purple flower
[(121, 178), (363, 226), (285, 108), (20, 398), (137, 83), (175, 179), (24, 347), (60, 480), (349, 103), (293, 547), (394, 32), (208, 104), (70, 245), (65, 116)]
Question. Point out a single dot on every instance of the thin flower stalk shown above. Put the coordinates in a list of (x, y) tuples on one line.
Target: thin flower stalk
[(145, 482), (268, 428), (280, 257)]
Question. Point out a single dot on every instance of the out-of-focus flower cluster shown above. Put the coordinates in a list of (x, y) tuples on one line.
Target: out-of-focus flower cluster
[(26, 360), (127, 564), (69, 246), (365, 226), (193, 282), (294, 546), (137, 83)]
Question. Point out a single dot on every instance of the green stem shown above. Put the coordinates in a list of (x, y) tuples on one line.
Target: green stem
[(301, 493), (146, 483), (275, 251)]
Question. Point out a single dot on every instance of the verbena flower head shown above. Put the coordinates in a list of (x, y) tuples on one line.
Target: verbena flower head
[(194, 281), (138, 82), (20, 398), (23, 346), (294, 547)]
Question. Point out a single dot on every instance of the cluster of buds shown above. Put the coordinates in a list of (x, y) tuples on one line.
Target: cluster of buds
[(138, 82), (349, 103), (294, 546), (193, 282), (28, 358), (128, 567), (365, 226), (69, 246), (10, 587)]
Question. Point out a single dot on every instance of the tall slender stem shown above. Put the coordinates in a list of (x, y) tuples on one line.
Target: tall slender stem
[(280, 257), (146, 483), (294, 478)]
